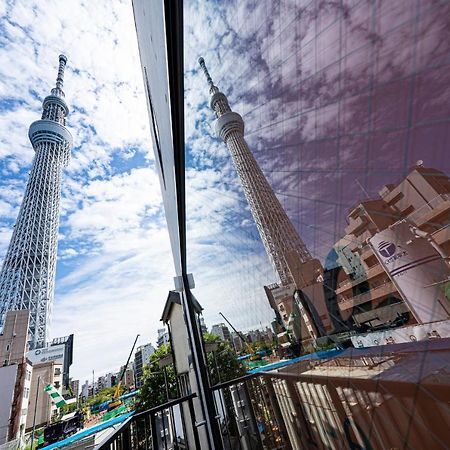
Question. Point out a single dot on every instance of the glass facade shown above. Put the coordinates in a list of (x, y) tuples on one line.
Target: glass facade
[(339, 99), (345, 111), (313, 208)]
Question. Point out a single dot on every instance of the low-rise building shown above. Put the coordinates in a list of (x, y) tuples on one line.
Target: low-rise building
[(15, 376), (163, 337), (222, 331), (142, 358), (414, 213), (50, 372)]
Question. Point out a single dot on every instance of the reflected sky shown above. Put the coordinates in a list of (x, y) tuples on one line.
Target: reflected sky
[(338, 99)]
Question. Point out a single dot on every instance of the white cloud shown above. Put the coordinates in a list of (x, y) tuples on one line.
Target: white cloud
[(114, 267)]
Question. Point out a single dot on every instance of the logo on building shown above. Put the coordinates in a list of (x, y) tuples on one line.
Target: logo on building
[(386, 249)]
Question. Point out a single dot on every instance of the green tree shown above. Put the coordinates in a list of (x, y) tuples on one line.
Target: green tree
[(105, 395), (223, 364), (66, 409), (159, 385)]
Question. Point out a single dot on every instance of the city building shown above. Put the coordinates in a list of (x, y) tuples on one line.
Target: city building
[(100, 383), (142, 358), (342, 96), (75, 388), (128, 376), (13, 338), (41, 407), (222, 331), (15, 376), (163, 337), (237, 343), (263, 335), (27, 277), (59, 351), (85, 390), (173, 317), (160, 52), (112, 379), (413, 215)]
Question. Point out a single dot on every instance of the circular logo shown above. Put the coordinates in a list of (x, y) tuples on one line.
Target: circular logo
[(386, 249), (37, 352)]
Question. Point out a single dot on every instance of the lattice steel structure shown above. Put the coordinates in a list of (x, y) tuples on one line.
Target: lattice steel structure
[(27, 278), (275, 228)]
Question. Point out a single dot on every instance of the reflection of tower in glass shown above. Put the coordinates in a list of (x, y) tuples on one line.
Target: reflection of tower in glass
[(276, 230), (27, 278)]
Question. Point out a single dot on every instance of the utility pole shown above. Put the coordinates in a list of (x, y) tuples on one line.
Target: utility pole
[(35, 408)]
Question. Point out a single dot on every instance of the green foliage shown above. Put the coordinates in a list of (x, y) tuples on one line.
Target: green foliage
[(66, 409), (222, 363), (260, 345), (159, 385), (104, 395)]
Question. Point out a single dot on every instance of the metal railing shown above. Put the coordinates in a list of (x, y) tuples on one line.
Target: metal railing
[(247, 419), (428, 207), (170, 426), (347, 401), (372, 294)]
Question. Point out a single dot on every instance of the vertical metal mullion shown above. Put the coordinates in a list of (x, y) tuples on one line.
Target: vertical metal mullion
[(193, 425), (155, 445), (164, 429), (226, 416)]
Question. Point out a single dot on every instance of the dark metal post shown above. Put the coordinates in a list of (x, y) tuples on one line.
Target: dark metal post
[(35, 408), (194, 428), (173, 15)]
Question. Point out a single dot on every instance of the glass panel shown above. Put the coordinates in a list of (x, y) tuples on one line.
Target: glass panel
[(324, 225)]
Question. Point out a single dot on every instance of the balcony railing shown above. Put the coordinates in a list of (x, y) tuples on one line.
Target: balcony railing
[(425, 212), (340, 402), (163, 427), (355, 225), (370, 273), (376, 292)]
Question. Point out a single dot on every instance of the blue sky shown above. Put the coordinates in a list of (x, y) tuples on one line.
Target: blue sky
[(114, 262), (114, 267), (324, 137)]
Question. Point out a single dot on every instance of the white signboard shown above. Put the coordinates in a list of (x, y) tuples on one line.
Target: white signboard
[(46, 354), (402, 335), (416, 269)]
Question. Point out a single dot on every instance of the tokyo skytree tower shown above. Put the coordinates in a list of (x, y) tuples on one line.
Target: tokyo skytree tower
[(276, 230), (27, 279)]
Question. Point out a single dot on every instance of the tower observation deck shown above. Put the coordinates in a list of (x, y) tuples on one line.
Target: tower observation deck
[(275, 228), (27, 278)]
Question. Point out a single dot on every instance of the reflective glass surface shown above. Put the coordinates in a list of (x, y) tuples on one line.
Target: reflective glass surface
[(339, 99)]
